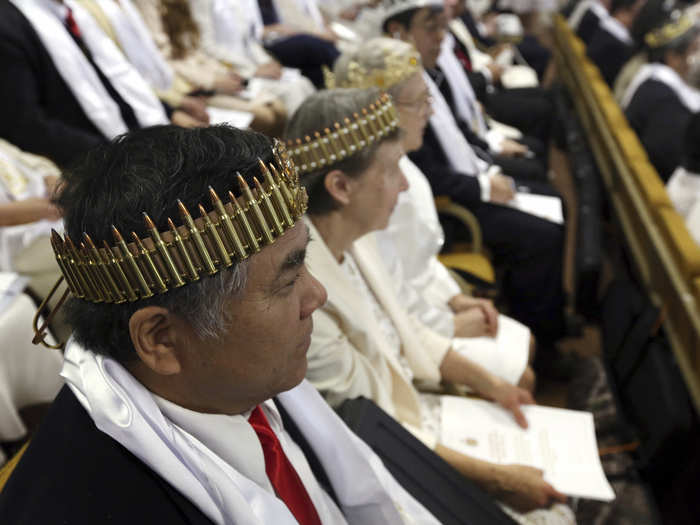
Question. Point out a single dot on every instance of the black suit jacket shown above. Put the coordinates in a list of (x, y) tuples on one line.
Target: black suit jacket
[(38, 112), (660, 119), (608, 53), (72, 473)]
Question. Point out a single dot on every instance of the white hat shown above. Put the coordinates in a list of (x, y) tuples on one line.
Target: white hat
[(394, 7)]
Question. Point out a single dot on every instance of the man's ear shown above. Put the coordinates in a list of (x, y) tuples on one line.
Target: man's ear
[(339, 186), (153, 334), (396, 30)]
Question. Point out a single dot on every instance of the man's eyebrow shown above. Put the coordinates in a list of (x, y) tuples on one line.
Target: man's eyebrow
[(294, 259)]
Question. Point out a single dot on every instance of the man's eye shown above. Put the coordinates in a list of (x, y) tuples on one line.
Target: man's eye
[(293, 281)]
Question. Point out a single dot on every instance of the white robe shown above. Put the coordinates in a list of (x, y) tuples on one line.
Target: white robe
[(231, 31), (409, 248)]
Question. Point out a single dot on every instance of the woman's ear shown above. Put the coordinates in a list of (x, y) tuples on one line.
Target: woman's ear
[(339, 186), (153, 333)]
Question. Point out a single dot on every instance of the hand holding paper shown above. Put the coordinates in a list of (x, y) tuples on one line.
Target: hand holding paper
[(560, 442), (511, 397), (525, 489)]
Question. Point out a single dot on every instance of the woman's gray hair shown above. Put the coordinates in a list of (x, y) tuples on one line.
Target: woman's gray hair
[(203, 304), (319, 111), (376, 55)]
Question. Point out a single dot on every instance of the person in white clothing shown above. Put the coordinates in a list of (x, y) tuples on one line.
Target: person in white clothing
[(231, 31), (364, 343), (27, 216), (414, 237)]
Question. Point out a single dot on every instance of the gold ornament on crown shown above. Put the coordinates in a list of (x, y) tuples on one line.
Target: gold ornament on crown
[(397, 68), (204, 244), (669, 32), (341, 140)]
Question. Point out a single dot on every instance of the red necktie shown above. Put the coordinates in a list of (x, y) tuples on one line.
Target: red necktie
[(463, 57), (72, 25), (281, 473)]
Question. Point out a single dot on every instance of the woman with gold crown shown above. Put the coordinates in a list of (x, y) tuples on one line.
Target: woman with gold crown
[(528, 248), (659, 101), (414, 237), (347, 146)]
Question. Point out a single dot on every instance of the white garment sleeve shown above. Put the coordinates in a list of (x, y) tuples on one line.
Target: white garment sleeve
[(485, 185)]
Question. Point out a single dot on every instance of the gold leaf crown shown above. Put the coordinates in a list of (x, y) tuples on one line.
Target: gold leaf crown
[(231, 231), (669, 32), (397, 68), (344, 140)]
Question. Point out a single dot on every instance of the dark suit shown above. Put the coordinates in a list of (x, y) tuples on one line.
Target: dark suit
[(660, 119), (74, 473), (38, 112), (588, 25), (608, 53), (527, 248), (518, 167)]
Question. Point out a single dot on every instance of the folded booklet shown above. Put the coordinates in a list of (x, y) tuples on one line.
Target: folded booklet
[(560, 442)]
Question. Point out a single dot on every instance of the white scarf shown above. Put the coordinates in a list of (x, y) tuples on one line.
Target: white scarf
[(459, 153), (582, 8), (466, 103), (615, 28), (47, 17), (689, 96), (123, 408), (684, 190), (137, 43)]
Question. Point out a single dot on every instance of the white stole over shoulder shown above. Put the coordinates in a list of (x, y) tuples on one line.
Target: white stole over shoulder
[(582, 8), (124, 409), (689, 96), (467, 105), (47, 17), (137, 43), (457, 149), (615, 28)]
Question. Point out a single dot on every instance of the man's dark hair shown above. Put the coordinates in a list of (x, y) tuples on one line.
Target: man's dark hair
[(405, 18), (149, 170), (316, 113)]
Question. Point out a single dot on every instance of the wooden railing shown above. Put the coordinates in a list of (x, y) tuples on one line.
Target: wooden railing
[(665, 254)]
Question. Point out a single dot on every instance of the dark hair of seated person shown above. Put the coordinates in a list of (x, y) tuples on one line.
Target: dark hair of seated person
[(405, 18), (148, 170)]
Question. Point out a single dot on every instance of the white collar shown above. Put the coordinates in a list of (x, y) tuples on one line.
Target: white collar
[(458, 151), (229, 437), (688, 95), (615, 28)]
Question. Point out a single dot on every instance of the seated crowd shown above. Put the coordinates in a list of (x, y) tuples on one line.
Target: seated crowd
[(201, 356)]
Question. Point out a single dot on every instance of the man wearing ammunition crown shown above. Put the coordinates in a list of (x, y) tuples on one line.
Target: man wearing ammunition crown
[(191, 308)]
